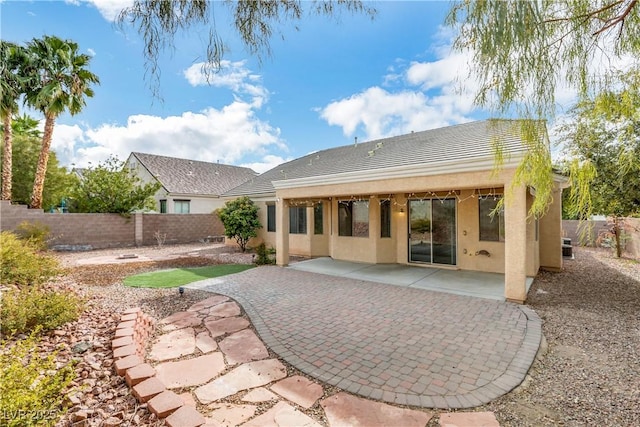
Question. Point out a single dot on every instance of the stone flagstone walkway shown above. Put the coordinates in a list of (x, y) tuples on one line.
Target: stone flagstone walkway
[(208, 367)]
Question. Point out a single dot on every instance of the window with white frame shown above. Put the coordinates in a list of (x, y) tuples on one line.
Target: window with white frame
[(181, 206)]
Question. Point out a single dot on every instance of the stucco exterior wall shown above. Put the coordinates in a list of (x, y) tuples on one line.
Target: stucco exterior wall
[(550, 233), (469, 243), (395, 249)]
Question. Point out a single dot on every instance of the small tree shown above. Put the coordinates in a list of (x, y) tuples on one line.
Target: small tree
[(240, 220), (602, 139), (112, 188)]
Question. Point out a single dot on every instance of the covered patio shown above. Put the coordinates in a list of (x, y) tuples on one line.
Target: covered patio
[(460, 282)]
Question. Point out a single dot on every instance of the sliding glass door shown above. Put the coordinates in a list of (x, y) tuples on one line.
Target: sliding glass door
[(432, 231)]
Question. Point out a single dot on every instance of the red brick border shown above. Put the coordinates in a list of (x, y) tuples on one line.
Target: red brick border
[(129, 348)]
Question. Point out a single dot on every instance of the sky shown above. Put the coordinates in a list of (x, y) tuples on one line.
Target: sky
[(324, 84)]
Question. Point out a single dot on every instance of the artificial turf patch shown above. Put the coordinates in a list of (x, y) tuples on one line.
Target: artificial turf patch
[(182, 276)]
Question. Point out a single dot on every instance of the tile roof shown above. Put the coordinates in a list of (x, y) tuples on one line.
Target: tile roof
[(465, 141), (183, 176)]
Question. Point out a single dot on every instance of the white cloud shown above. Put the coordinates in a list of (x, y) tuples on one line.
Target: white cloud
[(231, 75), (229, 135), (91, 52), (431, 94), (381, 113), (65, 139), (109, 9)]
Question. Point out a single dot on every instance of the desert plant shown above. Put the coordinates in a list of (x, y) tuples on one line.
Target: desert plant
[(32, 386), (21, 264), (35, 232), (264, 255), (160, 238), (29, 309)]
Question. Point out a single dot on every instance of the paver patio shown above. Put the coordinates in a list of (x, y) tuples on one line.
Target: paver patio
[(396, 344), (386, 343)]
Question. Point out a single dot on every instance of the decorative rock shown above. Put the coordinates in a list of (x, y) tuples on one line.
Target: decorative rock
[(147, 389), (281, 415), (243, 346), (230, 415), (205, 343), (190, 372), (165, 403), (224, 326), (227, 309), (173, 345), (186, 416), (111, 422), (81, 347), (259, 395), (299, 390), (249, 375), (463, 419), (345, 409)]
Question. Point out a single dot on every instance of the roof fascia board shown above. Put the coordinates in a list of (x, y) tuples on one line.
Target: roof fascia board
[(424, 169)]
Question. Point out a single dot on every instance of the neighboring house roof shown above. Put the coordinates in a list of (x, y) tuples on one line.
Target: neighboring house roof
[(183, 176), (470, 142)]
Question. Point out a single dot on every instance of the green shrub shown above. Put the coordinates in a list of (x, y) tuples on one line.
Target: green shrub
[(35, 232), (29, 309), (21, 263), (264, 255), (32, 387)]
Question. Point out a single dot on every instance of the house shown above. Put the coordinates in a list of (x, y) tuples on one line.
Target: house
[(424, 198), (188, 186)]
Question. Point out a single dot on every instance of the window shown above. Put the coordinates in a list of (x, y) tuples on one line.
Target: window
[(163, 206), (317, 219), (181, 206), (271, 218), (385, 218), (298, 220), (491, 227), (353, 219)]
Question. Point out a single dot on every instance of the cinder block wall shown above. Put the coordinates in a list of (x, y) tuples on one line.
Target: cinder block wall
[(180, 228), (99, 231), (570, 230)]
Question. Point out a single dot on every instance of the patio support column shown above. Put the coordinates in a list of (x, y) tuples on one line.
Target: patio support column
[(282, 233), (515, 257), (550, 231)]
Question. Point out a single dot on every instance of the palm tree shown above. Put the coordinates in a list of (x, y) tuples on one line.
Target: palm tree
[(11, 59), (59, 81)]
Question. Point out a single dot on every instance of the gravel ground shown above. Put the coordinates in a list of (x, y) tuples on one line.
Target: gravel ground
[(589, 374)]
